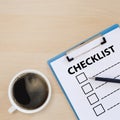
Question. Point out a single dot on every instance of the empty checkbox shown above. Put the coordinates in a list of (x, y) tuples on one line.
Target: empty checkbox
[(81, 78), (93, 98), (87, 88), (99, 109)]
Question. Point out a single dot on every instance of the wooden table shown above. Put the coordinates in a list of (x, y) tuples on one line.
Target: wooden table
[(33, 31)]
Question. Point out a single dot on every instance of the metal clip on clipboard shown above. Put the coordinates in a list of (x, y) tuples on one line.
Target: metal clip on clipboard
[(103, 41)]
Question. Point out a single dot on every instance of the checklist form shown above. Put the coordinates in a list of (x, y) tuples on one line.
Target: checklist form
[(90, 99)]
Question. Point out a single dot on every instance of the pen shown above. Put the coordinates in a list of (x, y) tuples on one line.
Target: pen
[(106, 79)]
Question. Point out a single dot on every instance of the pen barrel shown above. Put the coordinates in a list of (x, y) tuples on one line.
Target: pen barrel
[(107, 79)]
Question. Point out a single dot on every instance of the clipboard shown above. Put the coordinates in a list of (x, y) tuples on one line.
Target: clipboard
[(95, 56)]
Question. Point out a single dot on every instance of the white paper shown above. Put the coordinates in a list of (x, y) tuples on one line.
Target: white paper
[(90, 99)]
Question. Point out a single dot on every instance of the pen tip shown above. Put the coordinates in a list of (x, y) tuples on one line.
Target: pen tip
[(91, 77)]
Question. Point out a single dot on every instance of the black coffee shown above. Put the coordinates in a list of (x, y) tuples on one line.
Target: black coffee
[(30, 91)]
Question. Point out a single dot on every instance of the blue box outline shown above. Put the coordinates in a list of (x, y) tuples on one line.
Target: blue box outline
[(101, 112), (84, 86), (79, 75), (95, 101)]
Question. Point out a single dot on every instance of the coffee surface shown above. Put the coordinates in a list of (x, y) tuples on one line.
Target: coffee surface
[(30, 91)]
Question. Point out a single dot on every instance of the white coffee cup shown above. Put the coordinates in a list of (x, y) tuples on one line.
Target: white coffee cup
[(16, 106)]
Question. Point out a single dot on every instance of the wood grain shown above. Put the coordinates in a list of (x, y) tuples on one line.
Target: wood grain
[(33, 31)]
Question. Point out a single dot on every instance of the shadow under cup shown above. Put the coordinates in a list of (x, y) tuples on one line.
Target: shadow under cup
[(30, 91)]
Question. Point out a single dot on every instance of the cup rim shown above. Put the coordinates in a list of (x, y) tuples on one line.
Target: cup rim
[(11, 86)]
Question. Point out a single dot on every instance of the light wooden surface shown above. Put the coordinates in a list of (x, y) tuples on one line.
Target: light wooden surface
[(32, 31)]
